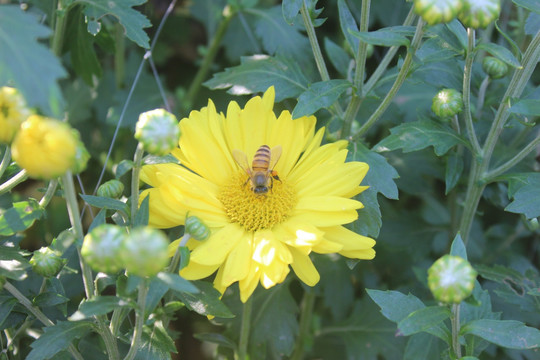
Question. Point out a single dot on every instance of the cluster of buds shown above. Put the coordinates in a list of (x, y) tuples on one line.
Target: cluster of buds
[(472, 13)]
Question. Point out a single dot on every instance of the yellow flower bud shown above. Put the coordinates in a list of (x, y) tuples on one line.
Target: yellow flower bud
[(13, 112), (44, 147)]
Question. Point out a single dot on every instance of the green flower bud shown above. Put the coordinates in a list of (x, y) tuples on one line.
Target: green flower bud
[(196, 228), (144, 251), (479, 13), (47, 262), (447, 103), (112, 189), (81, 158), (158, 131), (102, 248), (494, 67), (437, 11), (451, 279)]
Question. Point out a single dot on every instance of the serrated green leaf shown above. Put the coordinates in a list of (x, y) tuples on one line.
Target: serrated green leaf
[(394, 305), (338, 291), (318, 96), (156, 344), (347, 23), (20, 217), (458, 247), (177, 283), (290, 9), (100, 219), (392, 36), (381, 175), (6, 305), (525, 190), (531, 5), (501, 53), (154, 159), (31, 66), (527, 107), (143, 213), (133, 21), (418, 135), (206, 302), (13, 253), (57, 338), (123, 168), (14, 269), (258, 73), (423, 346), (100, 305), (459, 32), (506, 333), (369, 220), (49, 298), (532, 24), (454, 169), (105, 202), (423, 319)]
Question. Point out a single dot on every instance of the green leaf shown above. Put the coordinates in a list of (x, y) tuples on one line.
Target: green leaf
[(143, 213), (49, 298), (454, 169), (460, 33), (369, 220), (506, 333), (337, 56), (531, 5), (458, 247), (527, 107), (177, 283), (418, 135), (319, 95), (100, 305), (31, 66), (424, 346), (391, 36), (81, 47), (6, 305), (14, 269), (257, 73), (290, 9), (525, 190), (501, 53), (206, 302), (156, 344), (423, 319), (20, 217), (100, 219), (336, 284), (133, 21), (381, 175), (105, 203), (347, 23), (57, 338), (123, 168), (394, 305), (214, 338)]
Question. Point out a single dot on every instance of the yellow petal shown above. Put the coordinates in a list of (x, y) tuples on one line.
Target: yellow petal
[(215, 249), (248, 285), (349, 239), (300, 235), (238, 262), (195, 271), (266, 249), (304, 268), (273, 274), (327, 203), (325, 218)]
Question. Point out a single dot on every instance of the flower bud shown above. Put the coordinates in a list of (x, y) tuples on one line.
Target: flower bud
[(13, 112), (111, 189), (447, 103), (47, 262), (44, 147), (144, 251), (102, 248), (494, 67), (81, 157), (479, 14), (451, 279), (437, 11), (158, 131), (196, 228)]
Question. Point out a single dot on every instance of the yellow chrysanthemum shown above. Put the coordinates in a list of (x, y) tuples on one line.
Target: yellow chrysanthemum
[(44, 147), (13, 112), (255, 237)]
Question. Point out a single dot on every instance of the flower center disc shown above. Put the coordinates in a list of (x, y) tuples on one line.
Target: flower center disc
[(256, 211)]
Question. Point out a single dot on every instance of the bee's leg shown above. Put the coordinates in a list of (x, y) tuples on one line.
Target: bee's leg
[(275, 176)]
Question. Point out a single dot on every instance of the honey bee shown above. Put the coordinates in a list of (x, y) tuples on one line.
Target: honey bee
[(261, 172)]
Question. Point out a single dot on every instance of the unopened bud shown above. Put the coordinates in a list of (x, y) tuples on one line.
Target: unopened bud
[(47, 262), (158, 131), (451, 279)]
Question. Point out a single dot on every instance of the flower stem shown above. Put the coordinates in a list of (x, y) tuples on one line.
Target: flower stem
[(305, 323), (139, 320), (6, 160), (13, 181), (467, 72), (244, 331), (481, 97), (402, 75), (137, 160), (59, 29), (173, 266), (208, 59), (455, 330), (51, 189)]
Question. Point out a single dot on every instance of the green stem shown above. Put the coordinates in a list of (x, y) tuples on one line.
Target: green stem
[(244, 330), (402, 75), (305, 324), (51, 189), (208, 59), (467, 72), (23, 300), (455, 330), (6, 160), (315, 48), (139, 320), (490, 175), (481, 97), (137, 160), (173, 266), (13, 181), (59, 29)]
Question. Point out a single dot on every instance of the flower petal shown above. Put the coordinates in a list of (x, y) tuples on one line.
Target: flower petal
[(304, 268), (215, 249), (195, 271), (238, 262), (354, 245)]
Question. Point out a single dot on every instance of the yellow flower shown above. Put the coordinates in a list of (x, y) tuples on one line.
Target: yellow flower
[(13, 112), (44, 147), (255, 237)]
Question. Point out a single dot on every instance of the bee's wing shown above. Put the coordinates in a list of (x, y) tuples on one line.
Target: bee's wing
[(275, 154), (241, 159)]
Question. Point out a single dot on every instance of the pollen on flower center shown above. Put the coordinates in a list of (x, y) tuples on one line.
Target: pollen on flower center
[(257, 211)]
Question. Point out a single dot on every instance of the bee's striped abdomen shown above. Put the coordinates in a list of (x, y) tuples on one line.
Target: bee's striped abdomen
[(261, 160)]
